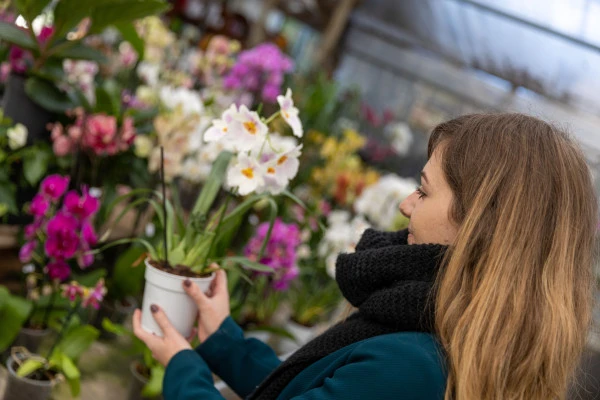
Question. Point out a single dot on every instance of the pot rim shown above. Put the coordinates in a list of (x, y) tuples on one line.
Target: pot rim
[(32, 382), (133, 369), (178, 277)]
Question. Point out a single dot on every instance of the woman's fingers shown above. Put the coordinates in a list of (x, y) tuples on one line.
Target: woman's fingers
[(195, 293), (220, 283), (138, 331), (162, 320)]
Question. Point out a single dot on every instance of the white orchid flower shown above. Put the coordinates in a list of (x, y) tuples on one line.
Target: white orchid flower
[(17, 136), (252, 131), (246, 174), (225, 127), (290, 113)]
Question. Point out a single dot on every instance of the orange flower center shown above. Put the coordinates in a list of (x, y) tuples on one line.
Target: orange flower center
[(271, 170), (250, 127), (282, 160), (248, 173)]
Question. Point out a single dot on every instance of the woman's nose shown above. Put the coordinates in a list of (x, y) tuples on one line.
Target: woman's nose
[(406, 207)]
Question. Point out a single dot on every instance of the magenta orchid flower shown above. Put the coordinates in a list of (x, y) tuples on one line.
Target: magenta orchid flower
[(54, 186), (63, 241), (39, 206), (26, 251), (58, 270), (83, 206)]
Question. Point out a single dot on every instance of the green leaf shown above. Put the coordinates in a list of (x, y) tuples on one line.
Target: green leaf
[(91, 278), (47, 95), (130, 35), (253, 265), (68, 368), (28, 367), (35, 165), (125, 11), (108, 98), (79, 51), (154, 386), (112, 327), (50, 71), (213, 184), (69, 13), (7, 196), (129, 280), (14, 311), (11, 34), (78, 340), (75, 386)]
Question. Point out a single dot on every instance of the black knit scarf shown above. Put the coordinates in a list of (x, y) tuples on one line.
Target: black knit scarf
[(389, 281)]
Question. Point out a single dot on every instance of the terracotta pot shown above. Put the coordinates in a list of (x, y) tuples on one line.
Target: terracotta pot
[(166, 291), (18, 388)]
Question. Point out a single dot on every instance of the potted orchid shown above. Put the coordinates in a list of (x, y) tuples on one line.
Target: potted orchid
[(38, 54), (255, 162), (61, 235), (35, 375)]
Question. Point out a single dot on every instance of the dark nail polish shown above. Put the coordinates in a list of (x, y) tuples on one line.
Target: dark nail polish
[(187, 283), (154, 308)]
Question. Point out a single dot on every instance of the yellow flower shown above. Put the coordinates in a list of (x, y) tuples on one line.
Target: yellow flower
[(142, 146)]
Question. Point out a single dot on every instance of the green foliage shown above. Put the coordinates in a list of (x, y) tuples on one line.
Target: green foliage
[(127, 279), (47, 95), (13, 35), (77, 340), (120, 11), (31, 8), (13, 313)]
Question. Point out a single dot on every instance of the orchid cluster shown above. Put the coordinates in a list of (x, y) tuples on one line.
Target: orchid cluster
[(265, 162), (260, 70), (89, 297), (62, 228), (280, 253), (98, 134), (379, 202), (344, 176)]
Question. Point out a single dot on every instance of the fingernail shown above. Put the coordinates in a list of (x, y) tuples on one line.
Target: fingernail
[(154, 308), (187, 283)]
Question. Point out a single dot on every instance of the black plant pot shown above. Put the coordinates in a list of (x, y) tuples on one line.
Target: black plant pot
[(22, 109), (18, 388), (31, 338), (137, 383)]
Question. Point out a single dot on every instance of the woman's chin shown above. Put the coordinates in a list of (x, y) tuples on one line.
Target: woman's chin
[(410, 239)]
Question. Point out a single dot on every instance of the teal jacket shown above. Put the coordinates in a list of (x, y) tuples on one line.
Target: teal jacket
[(399, 366)]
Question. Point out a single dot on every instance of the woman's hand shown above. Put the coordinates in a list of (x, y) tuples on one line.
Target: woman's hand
[(213, 307), (163, 348)]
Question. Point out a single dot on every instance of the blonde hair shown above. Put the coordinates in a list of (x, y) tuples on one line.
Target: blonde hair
[(513, 301)]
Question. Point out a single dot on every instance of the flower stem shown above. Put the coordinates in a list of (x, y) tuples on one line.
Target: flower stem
[(162, 178), (49, 308), (214, 238), (65, 325), (272, 117)]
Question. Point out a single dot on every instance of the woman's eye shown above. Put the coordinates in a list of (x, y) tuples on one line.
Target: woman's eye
[(420, 192)]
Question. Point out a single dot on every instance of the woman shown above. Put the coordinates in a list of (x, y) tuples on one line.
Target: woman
[(487, 295)]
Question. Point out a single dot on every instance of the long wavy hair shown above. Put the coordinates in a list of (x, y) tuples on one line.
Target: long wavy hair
[(514, 299)]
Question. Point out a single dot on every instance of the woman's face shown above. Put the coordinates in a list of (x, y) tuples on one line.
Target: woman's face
[(428, 207)]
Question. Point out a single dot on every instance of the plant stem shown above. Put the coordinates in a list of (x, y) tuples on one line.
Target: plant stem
[(63, 329), (214, 238), (272, 118), (164, 193), (49, 308)]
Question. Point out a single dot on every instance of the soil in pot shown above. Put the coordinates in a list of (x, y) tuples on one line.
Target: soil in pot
[(139, 377), (179, 270), (35, 387)]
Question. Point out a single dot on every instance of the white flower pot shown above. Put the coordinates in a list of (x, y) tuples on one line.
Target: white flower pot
[(166, 291)]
